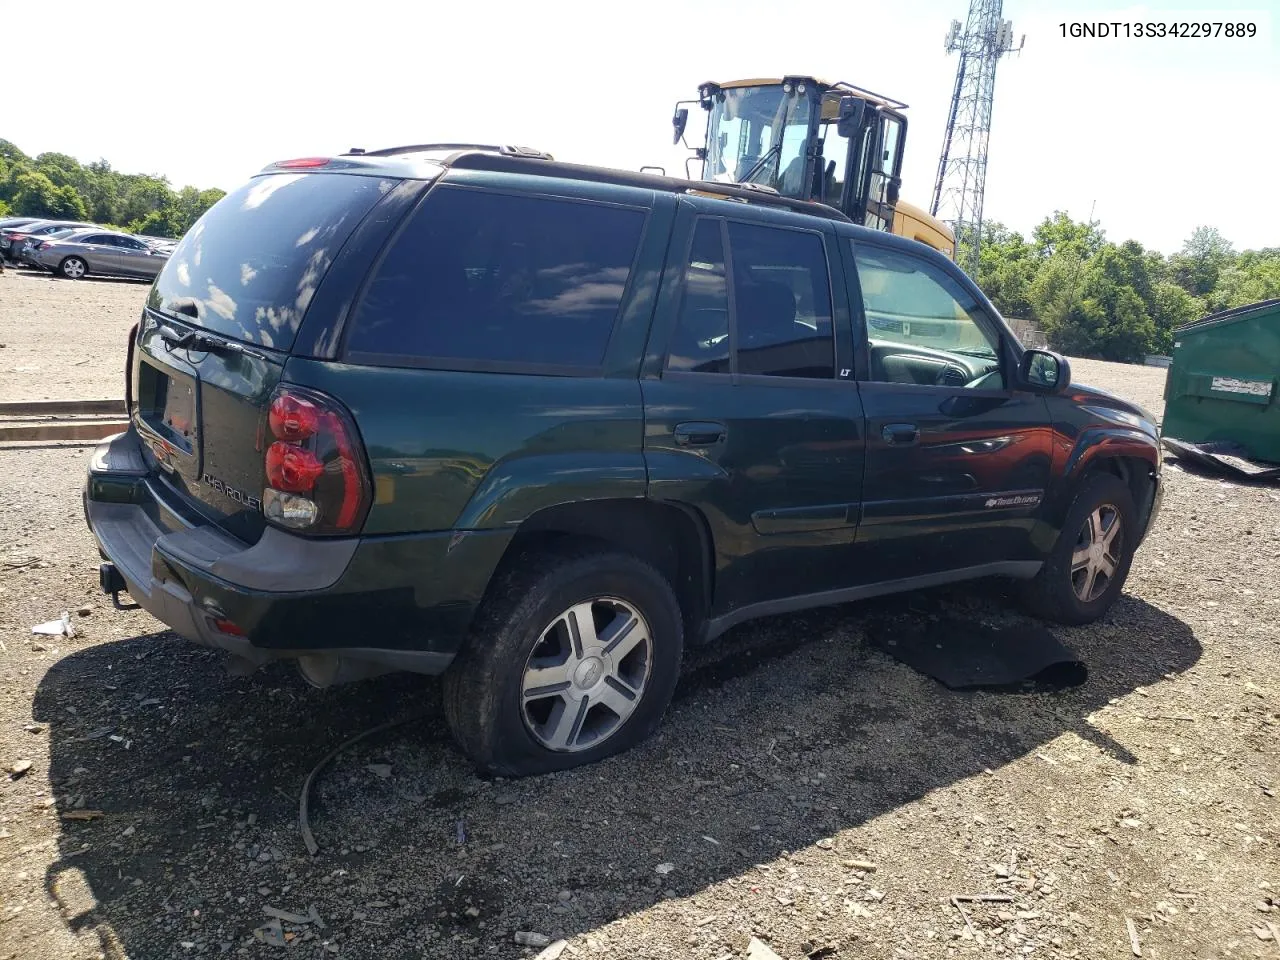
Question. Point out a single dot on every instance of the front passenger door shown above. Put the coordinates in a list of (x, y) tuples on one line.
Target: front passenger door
[(958, 459)]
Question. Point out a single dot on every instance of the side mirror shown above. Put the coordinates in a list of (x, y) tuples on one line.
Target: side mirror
[(892, 192), (678, 123), (850, 116), (1044, 371)]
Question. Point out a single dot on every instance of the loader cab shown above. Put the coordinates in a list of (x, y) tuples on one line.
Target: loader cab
[(836, 144), (807, 140)]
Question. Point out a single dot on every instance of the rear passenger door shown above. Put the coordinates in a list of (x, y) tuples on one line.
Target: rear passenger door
[(958, 459), (750, 413)]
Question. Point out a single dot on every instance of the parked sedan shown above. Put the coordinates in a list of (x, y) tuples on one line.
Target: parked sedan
[(100, 252), (11, 238)]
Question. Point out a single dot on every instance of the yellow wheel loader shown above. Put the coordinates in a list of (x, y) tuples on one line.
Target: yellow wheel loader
[(804, 138)]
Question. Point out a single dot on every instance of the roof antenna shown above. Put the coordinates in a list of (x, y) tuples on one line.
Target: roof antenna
[(355, 151)]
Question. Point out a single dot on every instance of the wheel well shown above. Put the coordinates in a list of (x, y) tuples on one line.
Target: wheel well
[(1137, 475), (674, 539)]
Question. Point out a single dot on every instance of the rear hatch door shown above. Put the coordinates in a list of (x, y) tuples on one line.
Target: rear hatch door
[(218, 327)]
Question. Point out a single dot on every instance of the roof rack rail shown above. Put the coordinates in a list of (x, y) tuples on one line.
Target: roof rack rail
[(740, 193), (505, 150)]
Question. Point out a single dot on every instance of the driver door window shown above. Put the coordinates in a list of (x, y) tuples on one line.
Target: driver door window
[(922, 326)]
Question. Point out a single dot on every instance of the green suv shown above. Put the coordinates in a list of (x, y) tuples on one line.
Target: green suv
[(537, 427)]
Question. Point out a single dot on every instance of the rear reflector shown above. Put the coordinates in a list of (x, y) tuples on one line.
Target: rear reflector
[(302, 163), (227, 627)]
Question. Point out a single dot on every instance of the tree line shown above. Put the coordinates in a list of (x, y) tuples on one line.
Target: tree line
[(55, 185), (1090, 297), (1094, 298)]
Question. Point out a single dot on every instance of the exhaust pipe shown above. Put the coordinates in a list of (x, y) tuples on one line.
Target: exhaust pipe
[(324, 670)]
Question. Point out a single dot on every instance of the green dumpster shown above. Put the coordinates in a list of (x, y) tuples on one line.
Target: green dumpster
[(1221, 395)]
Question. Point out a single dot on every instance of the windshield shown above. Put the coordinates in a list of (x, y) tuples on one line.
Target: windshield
[(757, 135)]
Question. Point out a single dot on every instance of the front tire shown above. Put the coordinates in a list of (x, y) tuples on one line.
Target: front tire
[(1089, 564), (73, 268), (573, 657)]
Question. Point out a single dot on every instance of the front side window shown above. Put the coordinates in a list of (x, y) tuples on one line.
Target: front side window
[(781, 322), (490, 277), (922, 325)]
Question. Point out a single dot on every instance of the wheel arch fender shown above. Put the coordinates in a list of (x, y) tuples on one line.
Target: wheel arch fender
[(1129, 453), (672, 537)]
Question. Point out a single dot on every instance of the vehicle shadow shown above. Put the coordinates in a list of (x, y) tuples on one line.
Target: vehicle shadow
[(784, 732), (33, 273)]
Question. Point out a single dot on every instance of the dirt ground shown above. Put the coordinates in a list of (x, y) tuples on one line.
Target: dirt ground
[(63, 339), (795, 758)]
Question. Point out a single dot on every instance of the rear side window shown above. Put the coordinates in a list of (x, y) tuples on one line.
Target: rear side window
[(782, 299), (781, 305), (250, 266), (487, 277)]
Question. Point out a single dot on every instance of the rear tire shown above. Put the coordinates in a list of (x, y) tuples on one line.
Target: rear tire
[(1089, 564), (73, 268), (573, 657)]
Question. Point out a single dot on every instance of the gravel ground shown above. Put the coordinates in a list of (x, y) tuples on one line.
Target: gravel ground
[(795, 757), (90, 320)]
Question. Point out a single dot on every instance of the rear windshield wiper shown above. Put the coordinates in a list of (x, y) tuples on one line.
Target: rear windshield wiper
[(178, 339)]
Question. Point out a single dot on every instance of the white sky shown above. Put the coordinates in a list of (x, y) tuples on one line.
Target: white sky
[(1157, 135)]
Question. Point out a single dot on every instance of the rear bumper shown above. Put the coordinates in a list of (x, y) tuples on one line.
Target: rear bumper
[(404, 603)]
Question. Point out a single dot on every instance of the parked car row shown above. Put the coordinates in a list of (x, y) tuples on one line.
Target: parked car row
[(74, 249)]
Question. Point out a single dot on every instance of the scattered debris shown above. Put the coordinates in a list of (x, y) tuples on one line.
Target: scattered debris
[(461, 831), (1134, 944), (711, 840), (866, 866), (553, 951), (85, 610), (529, 939), (272, 934), (758, 950), (56, 628), (960, 900), (304, 820), (18, 768), (664, 868), (82, 814)]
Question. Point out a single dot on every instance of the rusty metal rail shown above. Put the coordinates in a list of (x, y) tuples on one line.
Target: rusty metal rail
[(61, 420)]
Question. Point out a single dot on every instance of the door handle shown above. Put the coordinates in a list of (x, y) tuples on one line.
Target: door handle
[(699, 433), (900, 434)]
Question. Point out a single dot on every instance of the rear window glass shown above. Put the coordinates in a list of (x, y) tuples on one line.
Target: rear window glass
[(250, 266), (479, 276)]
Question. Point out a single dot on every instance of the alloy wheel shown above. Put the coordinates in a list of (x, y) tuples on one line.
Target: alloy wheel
[(586, 674), (1096, 556)]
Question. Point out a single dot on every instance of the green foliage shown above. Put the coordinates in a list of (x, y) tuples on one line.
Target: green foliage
[(38, 196), (1094, 298), (58, 185), (1006, 267)]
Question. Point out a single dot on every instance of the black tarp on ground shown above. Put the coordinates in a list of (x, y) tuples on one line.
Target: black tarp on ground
[(968, 655)]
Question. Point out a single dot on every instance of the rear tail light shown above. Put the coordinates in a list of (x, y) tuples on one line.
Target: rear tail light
[(317, 481)]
